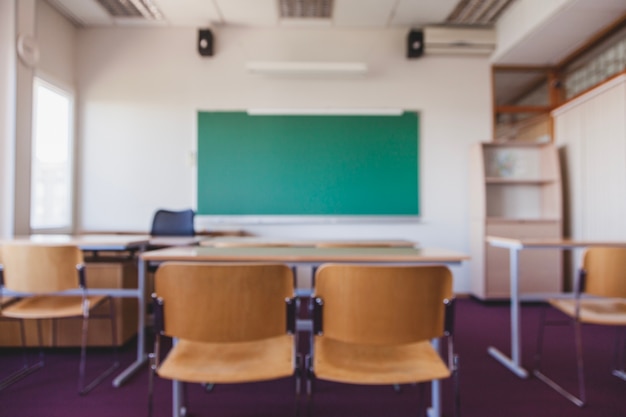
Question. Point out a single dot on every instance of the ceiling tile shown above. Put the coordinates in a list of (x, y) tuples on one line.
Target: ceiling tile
[(372, 13), (248, 12), (83, 12), (422, 12), (189, 12)]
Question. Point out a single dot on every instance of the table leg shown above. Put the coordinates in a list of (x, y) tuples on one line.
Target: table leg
[(514, 362), (142, 357)]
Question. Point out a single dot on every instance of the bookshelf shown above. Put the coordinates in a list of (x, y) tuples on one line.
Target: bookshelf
[(515, 192)]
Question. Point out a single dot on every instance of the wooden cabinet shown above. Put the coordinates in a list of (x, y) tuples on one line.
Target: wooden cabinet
[(110, 274), (515, 191)]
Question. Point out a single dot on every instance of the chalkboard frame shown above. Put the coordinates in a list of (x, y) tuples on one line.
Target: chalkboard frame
[(387, 145)]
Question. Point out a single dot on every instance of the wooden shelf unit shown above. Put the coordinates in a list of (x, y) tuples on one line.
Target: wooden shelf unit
[(515, 191)]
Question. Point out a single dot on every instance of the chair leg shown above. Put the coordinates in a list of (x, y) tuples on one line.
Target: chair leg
[(456, 386), (82, 388), (151, 372), (579, 362), (179, 408), (310, 380), (27, 368), (298, 383), (580, 400), (422, 410), (620, 351)]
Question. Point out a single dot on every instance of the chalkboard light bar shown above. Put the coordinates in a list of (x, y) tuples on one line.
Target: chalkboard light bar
[(327, 111), (287, 68), (330, 166)]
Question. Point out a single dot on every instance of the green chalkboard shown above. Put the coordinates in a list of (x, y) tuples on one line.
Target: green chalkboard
[(337, 165)]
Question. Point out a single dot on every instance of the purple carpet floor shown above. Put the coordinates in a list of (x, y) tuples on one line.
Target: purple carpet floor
[(487, 388)]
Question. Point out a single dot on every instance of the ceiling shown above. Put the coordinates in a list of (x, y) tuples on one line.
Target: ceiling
[(550, 42), (266, 13)]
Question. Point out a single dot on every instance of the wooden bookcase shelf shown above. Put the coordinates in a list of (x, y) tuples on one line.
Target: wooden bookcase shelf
[(515, 192)]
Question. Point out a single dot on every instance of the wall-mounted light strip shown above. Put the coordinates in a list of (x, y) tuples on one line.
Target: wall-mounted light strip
[(299, 68), (327, 111)]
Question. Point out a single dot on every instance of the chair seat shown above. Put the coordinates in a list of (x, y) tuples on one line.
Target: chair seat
[(230, 362), (605, 311), (351, 363), (49, 307), (6, 300)]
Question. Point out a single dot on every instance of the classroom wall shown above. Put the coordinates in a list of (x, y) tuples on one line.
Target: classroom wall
[(520, 19), (139, 91), (7, 116), (55, 37), (591, 134), (26, 24)]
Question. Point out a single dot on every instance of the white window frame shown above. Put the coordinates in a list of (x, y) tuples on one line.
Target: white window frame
[(68, 93)]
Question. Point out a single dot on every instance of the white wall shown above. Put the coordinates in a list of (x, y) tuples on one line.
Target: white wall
[(591, 131), (56, 37), (521, 19), (140, 90), (26, 24), (7, 116)]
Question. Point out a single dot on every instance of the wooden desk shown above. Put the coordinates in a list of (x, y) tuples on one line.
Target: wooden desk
[(224, 242), (115, 243), (91, 242), (306, 255), (514, 246), (168, 241), (107, 243), (311, 256), (111, 242)]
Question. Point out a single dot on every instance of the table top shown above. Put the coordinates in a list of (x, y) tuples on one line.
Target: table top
[(537, 243), (87, 242), (233, 241), (166, 241), (304, 254), (107, 241)]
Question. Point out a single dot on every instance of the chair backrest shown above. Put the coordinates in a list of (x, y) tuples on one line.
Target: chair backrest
[(40, 268), (173, 223), (605, 269), (383, 305), (224, 302)]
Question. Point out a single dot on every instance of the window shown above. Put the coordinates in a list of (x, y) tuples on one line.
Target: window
[(51, 163), (600, 63)]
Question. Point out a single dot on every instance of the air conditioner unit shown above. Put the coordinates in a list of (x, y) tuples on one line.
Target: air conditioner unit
[(452, 40)]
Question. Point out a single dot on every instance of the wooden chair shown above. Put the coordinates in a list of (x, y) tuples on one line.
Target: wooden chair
[(374, 325), (231, 323), (599, 298), (43, 273)]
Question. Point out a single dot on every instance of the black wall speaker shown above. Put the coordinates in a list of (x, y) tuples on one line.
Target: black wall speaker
[(415, 44), (205, 42)]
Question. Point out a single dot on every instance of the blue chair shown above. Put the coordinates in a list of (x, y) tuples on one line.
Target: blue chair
[(173, 223)]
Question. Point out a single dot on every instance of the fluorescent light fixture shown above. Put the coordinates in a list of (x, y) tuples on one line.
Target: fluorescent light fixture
[(297, 68), (326, 111)]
